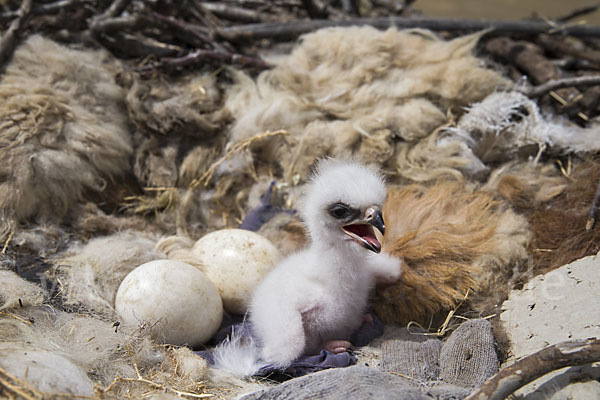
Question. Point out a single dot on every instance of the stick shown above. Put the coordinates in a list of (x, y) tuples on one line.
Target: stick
[(193, 34), (314, 9), (115, 9), (9, 40), (578, 12), (201, 55), (240, 146), (561, 48), (565, 354), (41, 9), (593, 214), (234, 13), (291, 30), (539, 90)]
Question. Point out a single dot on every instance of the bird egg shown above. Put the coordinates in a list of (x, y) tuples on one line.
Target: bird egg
[(179, 303), (236, 260)]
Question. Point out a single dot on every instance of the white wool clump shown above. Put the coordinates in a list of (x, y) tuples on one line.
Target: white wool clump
[(48, 371), (64, 131), (508, 124), (17, 292), (58, 352), (355, 91), (91, 273)]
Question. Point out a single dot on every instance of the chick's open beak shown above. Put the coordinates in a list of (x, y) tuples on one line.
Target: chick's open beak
[(362, 230)]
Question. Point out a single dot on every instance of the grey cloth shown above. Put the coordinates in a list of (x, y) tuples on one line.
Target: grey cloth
[(416, 356), (412, 367), (356, 382), (469, 357)]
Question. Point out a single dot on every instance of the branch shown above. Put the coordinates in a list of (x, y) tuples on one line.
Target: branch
[(578, 12), (9, 40), (566, 354), (201, 55), (115, 9), (42, 9), (234, 13), (314, 9), (593, 214), (192, 34), (291, 30), (539, 90)]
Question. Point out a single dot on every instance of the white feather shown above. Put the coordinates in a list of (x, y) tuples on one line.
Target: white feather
[(238, 354)]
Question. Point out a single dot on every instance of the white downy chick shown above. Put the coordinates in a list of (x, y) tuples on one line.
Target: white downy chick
[(316, 298)]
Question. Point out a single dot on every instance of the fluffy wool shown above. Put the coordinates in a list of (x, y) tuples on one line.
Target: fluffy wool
[(171, 117), (354, 91), (504, 127), (16, 291), (505, 124), (58, 352), (63, 133), (454, 241), (526, 185), (90, 274)]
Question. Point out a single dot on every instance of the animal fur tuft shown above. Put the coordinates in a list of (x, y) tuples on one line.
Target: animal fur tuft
[(238, 354)]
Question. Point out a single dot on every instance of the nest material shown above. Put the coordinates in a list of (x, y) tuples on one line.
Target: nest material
[(379, 96), (454, 241), (64, 134), (356, 90)]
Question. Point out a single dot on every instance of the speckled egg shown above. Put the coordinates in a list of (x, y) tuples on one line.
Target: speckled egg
[(236, 260), (176, 299)]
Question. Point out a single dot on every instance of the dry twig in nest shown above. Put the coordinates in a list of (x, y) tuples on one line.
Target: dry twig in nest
[(10, 38), (155, 385), (566, 354), (201, 55), (236, 148), (165, 199), (593, 214), (291, 30), (554, 84)]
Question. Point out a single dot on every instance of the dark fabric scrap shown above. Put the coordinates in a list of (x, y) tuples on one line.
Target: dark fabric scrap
[(305, 364), (258, 216)]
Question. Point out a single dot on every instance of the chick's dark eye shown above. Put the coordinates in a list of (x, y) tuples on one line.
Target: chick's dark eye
[(339, 211)]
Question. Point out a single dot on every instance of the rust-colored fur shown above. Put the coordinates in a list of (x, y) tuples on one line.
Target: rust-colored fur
[(559, 230), (453, 241)]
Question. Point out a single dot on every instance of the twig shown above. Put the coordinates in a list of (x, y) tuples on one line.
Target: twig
[(234, 13), (593, 214), (42, 9), (554, 84), (443, 329), (578, 12), (314, 9), (291, 30), (566, 354), (193, 34), (115, 9), (243, 145), (10, 236), (9, 40), (155, 385), (23, 320), (200, 56), (117, 24)]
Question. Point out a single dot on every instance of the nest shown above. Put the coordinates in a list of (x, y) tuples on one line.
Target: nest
[(102, 157)]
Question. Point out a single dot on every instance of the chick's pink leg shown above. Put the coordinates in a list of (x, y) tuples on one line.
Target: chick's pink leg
[(336, 346)]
